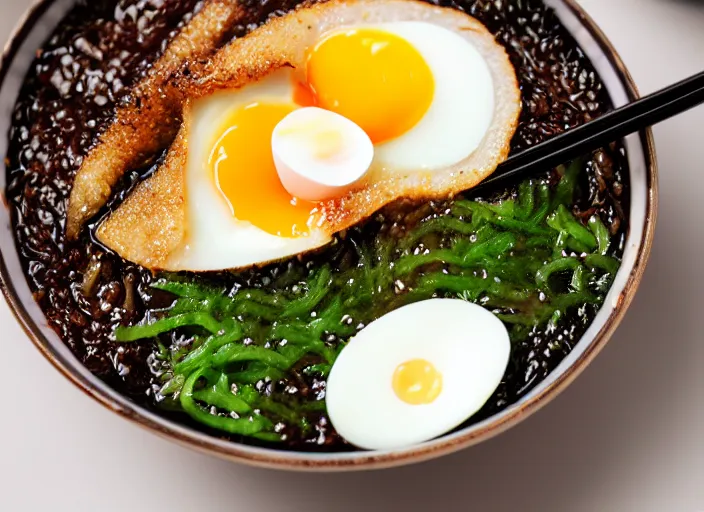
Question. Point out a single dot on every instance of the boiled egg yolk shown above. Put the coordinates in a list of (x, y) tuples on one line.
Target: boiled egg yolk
[(375, 78), (417, 382), (243, 170)]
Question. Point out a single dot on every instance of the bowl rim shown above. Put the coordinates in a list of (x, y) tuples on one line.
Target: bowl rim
[(281, 459)]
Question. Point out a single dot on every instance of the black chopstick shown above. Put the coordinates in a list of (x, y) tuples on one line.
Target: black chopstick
[(608, 128)]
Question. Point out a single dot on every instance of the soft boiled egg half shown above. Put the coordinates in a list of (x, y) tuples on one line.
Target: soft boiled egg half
[(427, 367), (312, 123)]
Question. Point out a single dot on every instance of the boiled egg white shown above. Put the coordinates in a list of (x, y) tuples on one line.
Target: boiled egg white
[(416, 373), (320, 154)]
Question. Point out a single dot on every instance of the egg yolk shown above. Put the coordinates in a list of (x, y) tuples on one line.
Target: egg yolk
[(243, 170), (417, 382), (372, 77)]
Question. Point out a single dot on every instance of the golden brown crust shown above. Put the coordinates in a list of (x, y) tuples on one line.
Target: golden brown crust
[(154, 216), (283, 42), (151, 120), (151, 223)]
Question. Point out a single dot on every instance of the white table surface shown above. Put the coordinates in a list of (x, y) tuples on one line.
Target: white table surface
[(628, 435)]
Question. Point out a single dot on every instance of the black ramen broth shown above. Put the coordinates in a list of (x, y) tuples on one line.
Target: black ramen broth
[(103, 47)]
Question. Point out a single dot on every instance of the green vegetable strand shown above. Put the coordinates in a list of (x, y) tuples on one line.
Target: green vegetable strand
[(526, 200), (601, 233), (578, 282), (599, 261), (566, 188), (317, 292), (139, 332), (203, 354), (441, 224), (563, 220), (241, 426), (220, 395), (233, 353), (543, 209), (559, 265)]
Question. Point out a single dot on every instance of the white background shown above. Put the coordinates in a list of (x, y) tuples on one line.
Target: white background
[(628, 435)]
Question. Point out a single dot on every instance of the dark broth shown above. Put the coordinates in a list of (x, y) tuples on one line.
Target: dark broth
[(86, 68)]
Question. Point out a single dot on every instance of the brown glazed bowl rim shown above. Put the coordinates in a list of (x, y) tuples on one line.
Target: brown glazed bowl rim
[(273, 458)]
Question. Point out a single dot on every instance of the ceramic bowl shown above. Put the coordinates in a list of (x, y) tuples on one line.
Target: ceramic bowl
[(40, 21)]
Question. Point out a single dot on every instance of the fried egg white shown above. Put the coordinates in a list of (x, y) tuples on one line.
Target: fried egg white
[(437, 98), (430, 86), (238, 212)]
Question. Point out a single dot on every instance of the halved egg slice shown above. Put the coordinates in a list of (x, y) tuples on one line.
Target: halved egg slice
[(427, 367), (429, 86), (319, 154)]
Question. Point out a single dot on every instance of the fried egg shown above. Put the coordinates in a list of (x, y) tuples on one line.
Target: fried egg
[(423, 93), (428, 367), (238, 211), (430, 88)]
